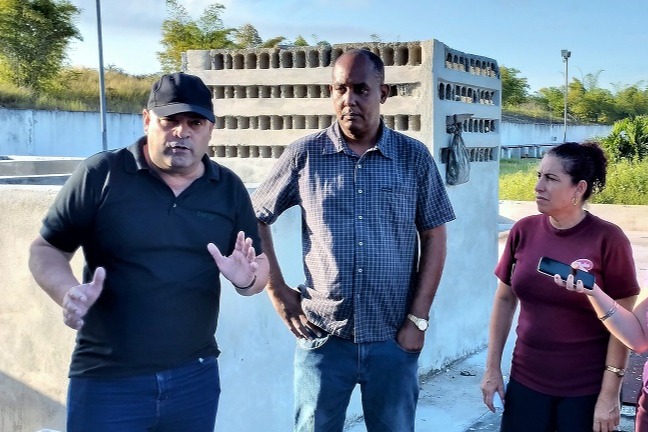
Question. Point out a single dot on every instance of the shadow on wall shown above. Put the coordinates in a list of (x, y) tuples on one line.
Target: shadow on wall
[(26, 409)]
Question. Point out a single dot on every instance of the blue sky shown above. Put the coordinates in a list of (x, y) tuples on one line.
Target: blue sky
[(528, 35)]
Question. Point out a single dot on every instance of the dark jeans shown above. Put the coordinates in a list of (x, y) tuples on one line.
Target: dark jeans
[(181, 399), (327, 370), (526, 410)]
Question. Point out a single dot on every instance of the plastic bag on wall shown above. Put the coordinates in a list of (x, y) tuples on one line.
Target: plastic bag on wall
[(458, 167)]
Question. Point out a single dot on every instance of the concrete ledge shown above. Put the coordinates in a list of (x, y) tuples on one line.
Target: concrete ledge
[(48, 179), (627, 217), (29, 166)]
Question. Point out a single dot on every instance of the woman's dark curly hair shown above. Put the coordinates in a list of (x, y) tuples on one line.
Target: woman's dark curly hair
[(583, 161)]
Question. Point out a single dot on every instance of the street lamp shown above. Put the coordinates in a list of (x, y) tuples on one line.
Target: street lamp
[(565, 55)]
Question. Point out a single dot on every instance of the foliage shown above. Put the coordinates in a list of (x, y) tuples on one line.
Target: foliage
[(320, 42), (592, 104), (78, 90), (181, 33), (512, 166), (627, 182), (300, 41), (272, 42), (247, 36), (628, 139), (630, 101), (517, 179), (553, 98), (34, 35), (514, 88)]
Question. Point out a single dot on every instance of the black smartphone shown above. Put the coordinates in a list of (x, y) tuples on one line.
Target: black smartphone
[(551, 267)]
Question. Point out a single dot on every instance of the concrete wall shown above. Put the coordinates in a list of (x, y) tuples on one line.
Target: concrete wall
[(523, 133), (64, 133), (31, 133), (256, 363)]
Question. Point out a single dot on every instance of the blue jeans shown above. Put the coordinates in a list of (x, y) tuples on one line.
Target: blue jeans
[(327, 370), (180, 399)]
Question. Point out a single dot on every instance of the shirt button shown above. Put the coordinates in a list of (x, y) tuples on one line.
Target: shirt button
[(359, 270), (175, 205), (360, 243), (359, 190), (359, 165), (360, 217)]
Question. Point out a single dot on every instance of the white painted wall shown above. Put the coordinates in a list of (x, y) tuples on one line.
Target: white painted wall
[(78, 134), (519, 133), (64, 133)]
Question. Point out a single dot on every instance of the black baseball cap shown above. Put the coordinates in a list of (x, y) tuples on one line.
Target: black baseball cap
[(180, 92)]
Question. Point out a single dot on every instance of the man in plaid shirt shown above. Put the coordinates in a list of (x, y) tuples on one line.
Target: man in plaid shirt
[(374, 209)]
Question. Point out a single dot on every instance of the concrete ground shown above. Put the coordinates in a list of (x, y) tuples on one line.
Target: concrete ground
[(451, 401)]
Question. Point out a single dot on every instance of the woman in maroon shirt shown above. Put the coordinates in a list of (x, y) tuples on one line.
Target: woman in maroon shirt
[(566, 369)]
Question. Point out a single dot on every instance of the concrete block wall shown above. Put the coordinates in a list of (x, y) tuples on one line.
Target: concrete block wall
[(266, 98)]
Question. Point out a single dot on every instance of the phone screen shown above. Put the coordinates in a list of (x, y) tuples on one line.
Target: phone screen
[(551, 267)]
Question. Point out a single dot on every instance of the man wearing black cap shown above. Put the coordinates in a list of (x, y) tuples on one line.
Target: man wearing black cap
[(152, 220)]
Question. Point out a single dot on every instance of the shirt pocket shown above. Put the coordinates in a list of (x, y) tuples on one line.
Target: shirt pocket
[(397, 203)]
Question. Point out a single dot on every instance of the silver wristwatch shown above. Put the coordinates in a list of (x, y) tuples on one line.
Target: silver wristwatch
[(421, 324)]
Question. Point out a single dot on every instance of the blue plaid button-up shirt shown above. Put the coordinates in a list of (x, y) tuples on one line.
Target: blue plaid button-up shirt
[(360, 222)]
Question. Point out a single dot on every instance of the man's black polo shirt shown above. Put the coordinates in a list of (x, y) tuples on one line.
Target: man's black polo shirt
[(160, 303)]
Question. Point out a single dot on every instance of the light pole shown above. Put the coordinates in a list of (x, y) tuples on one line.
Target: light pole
[(102, 85), (565, 55)]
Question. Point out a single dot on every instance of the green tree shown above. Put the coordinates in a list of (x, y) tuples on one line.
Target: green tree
[(34, 35), (272, 42), (553, 98), (628, 140), (319, 42), (589, 103), (630, 101), (514, 88), (181, 33), (300, 41), (247, 36)]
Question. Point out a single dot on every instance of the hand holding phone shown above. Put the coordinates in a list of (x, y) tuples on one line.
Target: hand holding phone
[(552, 267)]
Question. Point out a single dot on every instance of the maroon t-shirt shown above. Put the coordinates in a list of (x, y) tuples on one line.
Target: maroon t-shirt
[(561, 344)]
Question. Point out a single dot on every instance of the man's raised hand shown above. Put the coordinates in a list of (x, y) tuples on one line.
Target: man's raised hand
[(78, 299)]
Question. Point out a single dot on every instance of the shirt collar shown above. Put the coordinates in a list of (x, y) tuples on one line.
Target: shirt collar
[(385, 144)]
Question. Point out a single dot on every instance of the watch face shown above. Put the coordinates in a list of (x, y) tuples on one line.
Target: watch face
[(420, 323)]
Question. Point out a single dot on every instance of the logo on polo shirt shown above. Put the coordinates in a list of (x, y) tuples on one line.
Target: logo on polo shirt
[(205, 215), (583, 264)]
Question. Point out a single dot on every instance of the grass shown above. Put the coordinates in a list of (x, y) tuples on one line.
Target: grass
[(77, 89), (627, 182)]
